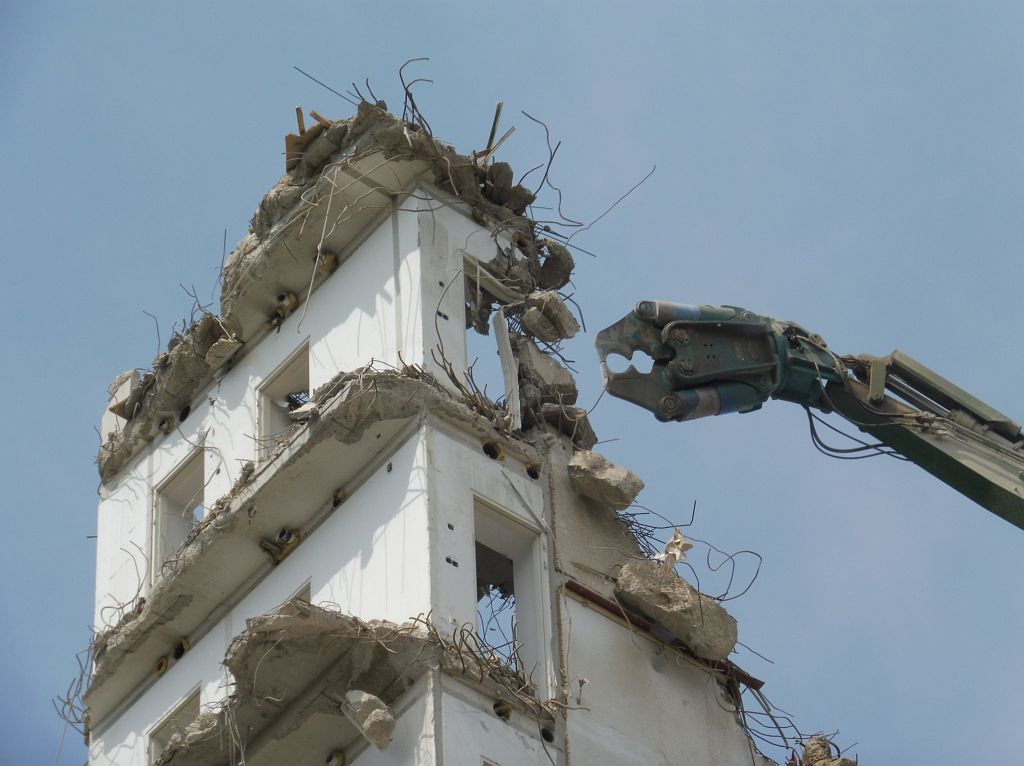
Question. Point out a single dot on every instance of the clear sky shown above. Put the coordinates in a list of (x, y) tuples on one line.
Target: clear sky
[(857, 167)]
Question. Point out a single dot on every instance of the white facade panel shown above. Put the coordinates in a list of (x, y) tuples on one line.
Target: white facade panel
[(369, 557), (352, 317), (641, 706), (472, 734), (351, 320)]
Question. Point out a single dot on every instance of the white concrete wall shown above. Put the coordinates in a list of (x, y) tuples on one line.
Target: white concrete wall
[(369, 557), (642, 712), (444, 235), (381, 555), (461, 474), (381, 301), (471, 733)]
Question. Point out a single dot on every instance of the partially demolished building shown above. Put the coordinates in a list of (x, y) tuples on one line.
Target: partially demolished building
[(319, 542)]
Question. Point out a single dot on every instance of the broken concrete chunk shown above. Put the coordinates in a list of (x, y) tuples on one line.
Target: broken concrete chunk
[(126, 388), (818, 752), (499, 181), (594, 476), (278, 201), (157, 403), (371, 716), (548, 318), (337, 132), (195, 732), (318, 152), (571, 421), (519, 198), (666, 598), (554, 383), (221, 351), (558, 266)]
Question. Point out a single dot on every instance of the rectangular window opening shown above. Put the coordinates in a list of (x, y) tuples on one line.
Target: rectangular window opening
[(483, 365), (179, 506), (508, 590), (281, 401), (496, 622), (176, 721)]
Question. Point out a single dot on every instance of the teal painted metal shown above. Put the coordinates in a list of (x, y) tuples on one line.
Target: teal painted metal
[(709, 360)]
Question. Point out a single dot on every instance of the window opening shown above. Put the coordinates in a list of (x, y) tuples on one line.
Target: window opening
[(483, 365), (177, 720), (281, 399), (508, 591), (179, 506), (496, 604)]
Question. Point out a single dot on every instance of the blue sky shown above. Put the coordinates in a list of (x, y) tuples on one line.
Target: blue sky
[(855, 167)]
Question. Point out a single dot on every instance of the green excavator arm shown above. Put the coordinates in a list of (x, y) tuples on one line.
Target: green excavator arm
[(710, 360)]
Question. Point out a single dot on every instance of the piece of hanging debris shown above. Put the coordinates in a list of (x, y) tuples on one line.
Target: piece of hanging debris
[(571, 421), (663, 596), (547, 318), (594, 476)]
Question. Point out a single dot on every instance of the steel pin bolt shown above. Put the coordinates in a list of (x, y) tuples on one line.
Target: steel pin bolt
[(681, 367), (645, 308), (670, 405)]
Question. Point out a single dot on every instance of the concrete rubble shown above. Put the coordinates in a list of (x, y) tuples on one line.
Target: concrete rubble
[(541, 377), (818, 751), (548, 318), (574, 422), (374, 719), (596, 477), (488, 190), (163, 397), (301, 661), (548, 394), (342, 410), (666, 598), (263, 276)]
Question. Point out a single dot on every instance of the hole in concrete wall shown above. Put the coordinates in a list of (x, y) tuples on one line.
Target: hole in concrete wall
[(533, 471), (161, 665), (502, 709), (284, 392), (493, 450), (172, 723), (178, 506), (180, 648), (547, 734), (184, 413)]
